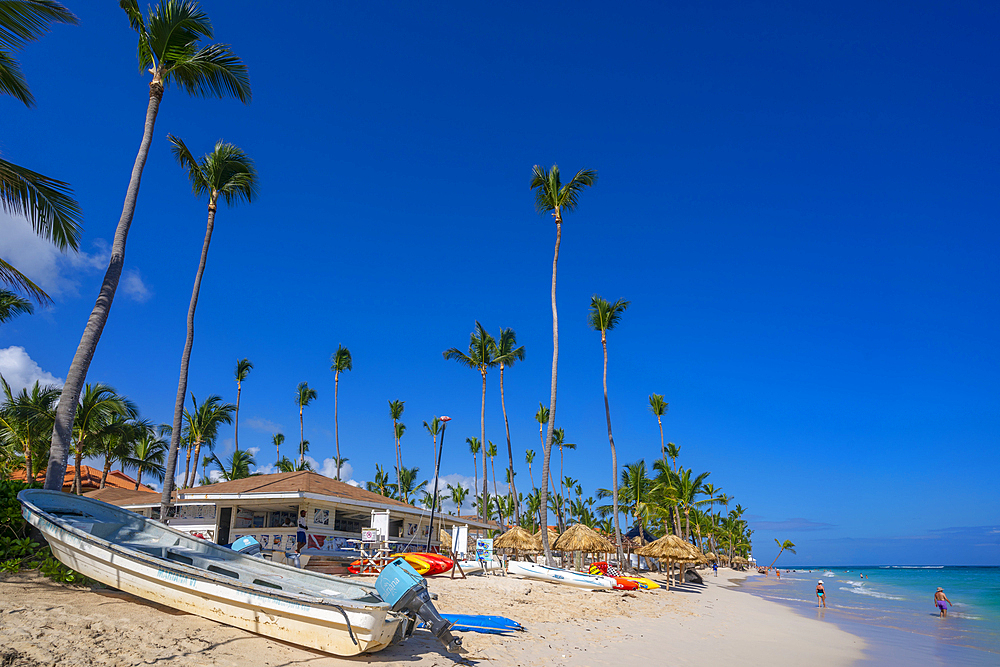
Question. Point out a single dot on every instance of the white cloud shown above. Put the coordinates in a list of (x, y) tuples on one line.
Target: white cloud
[(456, 480), (329, 469), (55, 271), (265, 425), (21, 371)]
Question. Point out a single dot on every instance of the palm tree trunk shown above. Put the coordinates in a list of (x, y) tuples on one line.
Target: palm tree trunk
[(336, 423), (239, 390), (399, 461), (187, 467), (547, 447), (482, 432), (197, 453), (77, 475), (531, 477), (29, 470), (107, 469), (475, 464), (614, 455), (302, 438), (510, 454), (663, 449)]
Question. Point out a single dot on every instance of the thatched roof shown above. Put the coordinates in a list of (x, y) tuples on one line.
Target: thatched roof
[(579, 537), (670, 547), (710, 556), (518, 539), (553, 536)]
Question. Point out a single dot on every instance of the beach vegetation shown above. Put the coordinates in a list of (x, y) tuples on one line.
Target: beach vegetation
[(304, 395), (340, 362), (242, 370), (395, 412), (12, 305), (26, 426), (201, 426)]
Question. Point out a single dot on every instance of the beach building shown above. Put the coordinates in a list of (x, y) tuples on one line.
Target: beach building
[(90, 479), (269, 508)]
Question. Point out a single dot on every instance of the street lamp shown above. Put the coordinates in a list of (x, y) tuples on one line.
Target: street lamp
[(437, 468)]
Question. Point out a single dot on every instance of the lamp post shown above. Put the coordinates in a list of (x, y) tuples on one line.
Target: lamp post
[(437, 468)]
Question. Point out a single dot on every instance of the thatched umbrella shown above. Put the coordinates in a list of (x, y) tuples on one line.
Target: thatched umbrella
[(670, 548), (516, 539), (445, 541), (711, 557), (581, 539), (553, 536)]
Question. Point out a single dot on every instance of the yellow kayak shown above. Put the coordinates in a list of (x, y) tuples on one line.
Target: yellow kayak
[(644, 583)]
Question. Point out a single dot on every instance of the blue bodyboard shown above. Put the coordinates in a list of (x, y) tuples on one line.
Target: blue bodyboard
[(487, 624)]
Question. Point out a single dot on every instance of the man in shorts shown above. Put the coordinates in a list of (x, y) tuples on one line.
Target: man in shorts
[(300, 537), (942, 602)]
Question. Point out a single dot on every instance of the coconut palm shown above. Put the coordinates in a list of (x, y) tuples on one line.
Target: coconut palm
[(458, 494), (635, 492), (242, 370), (474, 446), (433, 428), (604, 317), (481, 357), (237, 466), (409, 485), (559, 439), (507, 353), (202, 426), (339, 462), (303, 397), (787, 545), (229, 173), (673, 451), (381, 484), (149, 453), (11, 306), (395, 412), (551, 195), (277, 440), (491, 452), (47, 204), (339, 362), (98, 415), (169, 49), (285, 464), (659, 408), (529, 458), (26, 421)]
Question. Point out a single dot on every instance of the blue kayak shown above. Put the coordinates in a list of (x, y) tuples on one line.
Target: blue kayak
[(488, 624)]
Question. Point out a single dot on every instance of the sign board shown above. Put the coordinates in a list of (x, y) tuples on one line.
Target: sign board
[(380, 522), (369, 535), (460, 540), (484, 549)]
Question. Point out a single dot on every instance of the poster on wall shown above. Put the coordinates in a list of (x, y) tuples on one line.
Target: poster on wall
[(321, 517)]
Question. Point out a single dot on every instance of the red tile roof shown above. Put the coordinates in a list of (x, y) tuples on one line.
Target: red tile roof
[(90, 478)]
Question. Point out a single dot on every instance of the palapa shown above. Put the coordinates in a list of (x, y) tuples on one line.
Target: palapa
[(517, 539), (579, 537), (553, 536), (668, 547), (711, 556)]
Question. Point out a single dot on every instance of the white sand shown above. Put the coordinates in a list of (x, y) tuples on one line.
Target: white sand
[(46, 623)]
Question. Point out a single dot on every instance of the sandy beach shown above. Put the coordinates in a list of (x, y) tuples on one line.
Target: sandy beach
[(44, 623)]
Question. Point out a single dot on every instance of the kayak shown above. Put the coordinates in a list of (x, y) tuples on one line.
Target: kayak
[(558, 576), (624, 584), (643, 583), (427, 564), (476, 567)]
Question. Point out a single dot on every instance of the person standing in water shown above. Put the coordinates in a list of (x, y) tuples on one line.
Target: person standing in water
[(942, 602), (820, 594)]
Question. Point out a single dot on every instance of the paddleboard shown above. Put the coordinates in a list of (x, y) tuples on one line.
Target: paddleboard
[(487, 624)]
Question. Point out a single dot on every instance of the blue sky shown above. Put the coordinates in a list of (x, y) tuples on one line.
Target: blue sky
[(800, 203)]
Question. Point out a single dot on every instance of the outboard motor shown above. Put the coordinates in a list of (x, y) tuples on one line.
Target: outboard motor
[(403, 588), (247, 545)]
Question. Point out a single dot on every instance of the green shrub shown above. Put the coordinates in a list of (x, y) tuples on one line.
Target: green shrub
[(12, 524)]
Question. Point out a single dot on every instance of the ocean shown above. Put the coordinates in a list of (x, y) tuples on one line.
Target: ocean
[(892, 608)]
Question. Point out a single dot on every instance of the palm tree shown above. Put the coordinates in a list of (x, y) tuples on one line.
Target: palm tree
[(481, 356), (277, 440), (474, 446), (506, 354), (285, 464), (458, 494), (203, 424), (96, 417), (433, 428), (26, 420), (787, 545), (381, 484), (395, 412), (11, 306), (148, 454), (559, 439), (47, 204), (169, 49), (339, 462), (409, 484), (242, 370), (491, 452), (604, 317), (237, 466), (303, 397), (118, 444), (529, 458), (659, 408), (340, 361), (673, 451), (551, 195), (227, 172)]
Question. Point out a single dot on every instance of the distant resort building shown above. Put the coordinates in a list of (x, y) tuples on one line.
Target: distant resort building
[(90, 479), (268, 507)]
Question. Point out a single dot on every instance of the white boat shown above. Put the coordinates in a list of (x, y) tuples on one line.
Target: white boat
[(478, 567), (161, 564), (559, 576)]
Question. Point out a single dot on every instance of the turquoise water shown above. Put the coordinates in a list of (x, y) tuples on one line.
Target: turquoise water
[(892, 608)]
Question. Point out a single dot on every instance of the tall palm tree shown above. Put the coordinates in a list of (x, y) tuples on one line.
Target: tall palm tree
[(26, 420), (604, 317), (97, 416), (529, 458), (787, 545), (119, 444), (474, 446), (507, 353), (285, 464), (409, 485), (433, 428), (673, 451), (149, 453), (11, 306), (481, 357), (169, 49), (277, 440), (659, 408), (237, 466), (203, 424), (559, 439), (339, 462), (381, 484), (340, 361), (229, 173), (242, 370), (551, 195), (47, 204), (395, 412), (491, 452), (458, 494), (303, 397)]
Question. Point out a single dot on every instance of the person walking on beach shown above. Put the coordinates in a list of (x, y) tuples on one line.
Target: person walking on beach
[(942, 602), (820, 594), (715, 568)]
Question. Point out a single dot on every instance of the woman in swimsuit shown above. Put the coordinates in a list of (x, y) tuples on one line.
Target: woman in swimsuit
[(820, 594)]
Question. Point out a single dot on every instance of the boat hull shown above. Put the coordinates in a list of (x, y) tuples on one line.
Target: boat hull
[(306, 622), (558, 576)]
